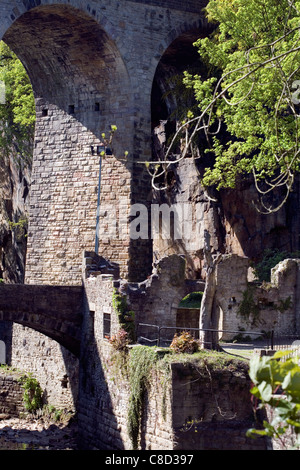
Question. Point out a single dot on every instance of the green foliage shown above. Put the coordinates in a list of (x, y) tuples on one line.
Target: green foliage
[(184, 343), (33, 393), (125, 316), (192, 300), (17, 115), (277, 384), (52, 413), (259, 129), (141, 361), (248, 307), (270, 259), (19, 228)]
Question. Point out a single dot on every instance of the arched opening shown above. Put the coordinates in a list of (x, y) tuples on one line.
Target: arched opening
[(17, 122), (171, 100), (188, 312), (81, 88), (56, 368)]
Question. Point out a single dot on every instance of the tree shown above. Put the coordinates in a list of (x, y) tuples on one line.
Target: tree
[(17, 114), (207, 322), (248, 105)]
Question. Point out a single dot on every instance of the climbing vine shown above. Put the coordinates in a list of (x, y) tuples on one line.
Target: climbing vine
[(125, 315), (248, 305), (141, 360)]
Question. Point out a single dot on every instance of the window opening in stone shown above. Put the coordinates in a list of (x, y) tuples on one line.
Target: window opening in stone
[(2, 353), (71, 109), (106, 325), (97, 107), (188, 313), (45, 112)]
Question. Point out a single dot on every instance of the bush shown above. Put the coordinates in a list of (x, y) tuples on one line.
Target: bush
[(184, 343), (269, 260), (120, 340), (33, 393)]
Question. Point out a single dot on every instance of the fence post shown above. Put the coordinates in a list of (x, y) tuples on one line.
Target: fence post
[(272, 339)]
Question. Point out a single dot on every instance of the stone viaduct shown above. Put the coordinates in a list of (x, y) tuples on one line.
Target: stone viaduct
[(92, 64)]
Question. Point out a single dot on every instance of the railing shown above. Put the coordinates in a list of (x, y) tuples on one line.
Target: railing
[(287, 342), (157, 339)]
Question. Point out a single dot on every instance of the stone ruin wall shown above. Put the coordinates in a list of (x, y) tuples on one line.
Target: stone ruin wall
[(181, 420), (276, 304), (11, 395)]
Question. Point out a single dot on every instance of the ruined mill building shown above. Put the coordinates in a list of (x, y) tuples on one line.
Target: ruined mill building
[(96, 64)]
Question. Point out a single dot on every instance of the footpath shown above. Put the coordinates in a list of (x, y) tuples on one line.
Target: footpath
[(36, 434)]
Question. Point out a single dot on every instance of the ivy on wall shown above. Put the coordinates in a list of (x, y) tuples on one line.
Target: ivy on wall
[(125, 316), (141, 361)]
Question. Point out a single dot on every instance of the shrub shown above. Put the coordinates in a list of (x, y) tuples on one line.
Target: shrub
[(120, 340), (269, 260), (33, 393), (184, 343)]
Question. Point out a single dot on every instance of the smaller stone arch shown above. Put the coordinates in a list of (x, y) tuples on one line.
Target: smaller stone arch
[(2, 352), (188, 312)]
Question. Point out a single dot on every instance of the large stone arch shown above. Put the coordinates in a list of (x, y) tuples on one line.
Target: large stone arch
[(81, 88), (177, 54)]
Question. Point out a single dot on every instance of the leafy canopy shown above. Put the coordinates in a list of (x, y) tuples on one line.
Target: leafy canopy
[(252, 92), (17, 114)]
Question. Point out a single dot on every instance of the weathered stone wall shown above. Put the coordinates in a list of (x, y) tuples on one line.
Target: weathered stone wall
[(179, 399), (44, 308), (89, 69), (248, 306), (11, 395), (211, 408), (154, 301), (56, 369), (233, 221)]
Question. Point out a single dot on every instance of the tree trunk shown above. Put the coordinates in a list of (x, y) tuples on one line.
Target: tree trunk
[(208, 339)]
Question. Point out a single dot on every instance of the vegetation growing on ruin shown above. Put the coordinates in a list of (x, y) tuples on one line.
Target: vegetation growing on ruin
[(184, 343), (143, 360), (33, 393), (269, 260), (248, 308), (125, 315)]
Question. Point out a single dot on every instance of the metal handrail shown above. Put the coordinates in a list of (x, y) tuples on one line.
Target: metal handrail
[(160, 328)]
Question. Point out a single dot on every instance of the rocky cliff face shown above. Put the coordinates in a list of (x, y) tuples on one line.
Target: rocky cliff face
[(14, 203), (235, 224)]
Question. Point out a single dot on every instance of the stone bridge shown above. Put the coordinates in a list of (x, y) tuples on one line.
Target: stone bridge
[(93, 64), (52, 310)]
